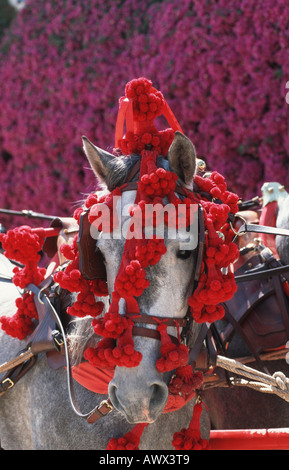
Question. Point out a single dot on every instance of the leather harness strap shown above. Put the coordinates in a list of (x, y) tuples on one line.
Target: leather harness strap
[(245, 228)]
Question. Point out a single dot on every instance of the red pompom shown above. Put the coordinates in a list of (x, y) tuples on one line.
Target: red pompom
[(150, 252), (130, 441), (112, 325), (185, 382), (173, 355), (30, 274), (158, 183), (21, 324), (131, 282), (71, 278), (125, 355), (101, 356), (98, 287), (190, 439), (22, 244), (85, 304)]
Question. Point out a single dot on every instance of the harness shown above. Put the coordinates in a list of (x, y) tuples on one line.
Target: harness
[(50, 338)]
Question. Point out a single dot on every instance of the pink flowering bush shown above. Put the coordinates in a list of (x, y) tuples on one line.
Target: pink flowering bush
[(222, 66)]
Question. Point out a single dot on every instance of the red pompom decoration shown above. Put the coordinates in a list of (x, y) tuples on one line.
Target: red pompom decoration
[(132, 282), (190, 439), (112, 325), (158, 183), (150, 252), (71, 278), (125, 355), (85, 304), (173, 355), (130, 441), (101, 356), (98, 287), (21, 324), (22, 244), (185, 382), (30, 274)]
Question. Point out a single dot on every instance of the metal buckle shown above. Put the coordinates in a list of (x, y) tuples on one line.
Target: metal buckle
[(107, 404), (8, 380), (57, 338)]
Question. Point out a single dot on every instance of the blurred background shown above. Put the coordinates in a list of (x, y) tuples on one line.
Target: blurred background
[(222, 67)]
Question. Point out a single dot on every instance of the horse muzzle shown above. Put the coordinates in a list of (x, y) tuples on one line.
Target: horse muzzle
[(139, 403)]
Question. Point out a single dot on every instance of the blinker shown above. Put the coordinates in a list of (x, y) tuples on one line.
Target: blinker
[(91, 263)]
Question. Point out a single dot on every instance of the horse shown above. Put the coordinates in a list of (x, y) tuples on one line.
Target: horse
[(242, 407), (36, 413)]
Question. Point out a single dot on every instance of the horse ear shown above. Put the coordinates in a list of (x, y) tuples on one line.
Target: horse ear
[(182, 157), (109, 169)]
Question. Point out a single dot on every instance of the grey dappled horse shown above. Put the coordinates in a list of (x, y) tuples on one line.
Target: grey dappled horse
[(241, 408), (36, 413)]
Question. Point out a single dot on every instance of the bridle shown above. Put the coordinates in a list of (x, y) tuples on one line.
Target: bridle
[(50, 341), (92, 267)]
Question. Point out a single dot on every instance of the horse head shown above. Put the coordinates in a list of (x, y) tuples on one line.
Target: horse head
[(141, 392)]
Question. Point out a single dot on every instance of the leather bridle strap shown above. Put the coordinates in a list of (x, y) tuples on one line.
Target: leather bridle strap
[(153, 320)]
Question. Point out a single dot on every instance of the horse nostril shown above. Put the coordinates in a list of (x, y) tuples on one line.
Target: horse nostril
[(159, 395)]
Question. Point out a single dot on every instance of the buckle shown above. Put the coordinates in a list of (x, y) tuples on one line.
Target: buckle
[(104, 408), (107, 404), (57, 338), (11, 383)]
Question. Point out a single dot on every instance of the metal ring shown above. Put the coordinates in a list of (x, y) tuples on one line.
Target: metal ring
[(38, 296), (232, 228)]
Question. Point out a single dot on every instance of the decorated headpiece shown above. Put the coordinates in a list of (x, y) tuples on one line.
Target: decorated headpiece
[(138, 109)]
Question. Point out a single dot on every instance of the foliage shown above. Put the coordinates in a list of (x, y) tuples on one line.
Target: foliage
[(222, 66)]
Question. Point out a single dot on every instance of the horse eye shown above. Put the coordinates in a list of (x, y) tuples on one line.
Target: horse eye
[(184, 254)]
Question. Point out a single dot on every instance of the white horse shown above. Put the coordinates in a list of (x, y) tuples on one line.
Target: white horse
[(36, 413)]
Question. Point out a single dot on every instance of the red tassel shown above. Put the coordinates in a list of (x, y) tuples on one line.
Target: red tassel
[(130, 441), (22, 244), (125, 354), (173, 355), (85, 305), (132, 282), (71, 278), (112, 325), (159, 183), (21, 323), (30, 274), (190, 439), (101, 356), (98, 287), (185, 382)]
